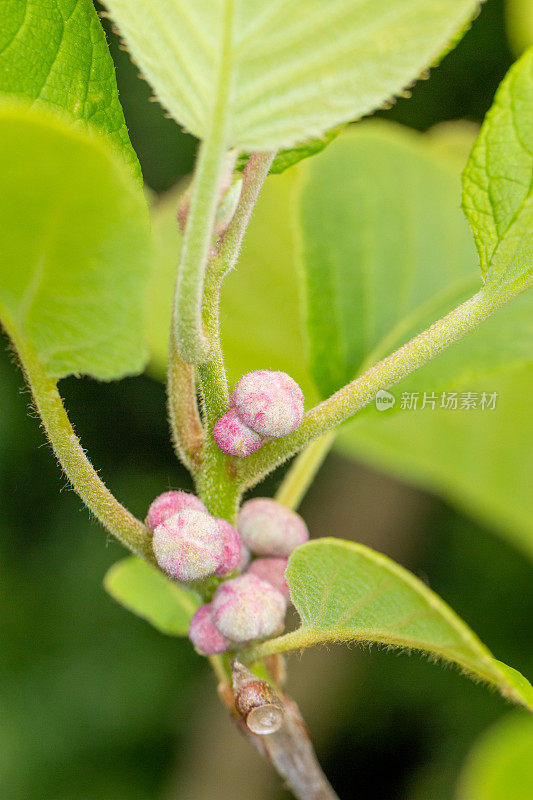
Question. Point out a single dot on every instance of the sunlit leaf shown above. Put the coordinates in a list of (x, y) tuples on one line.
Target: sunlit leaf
[(145, 591), (74, 258), (498, 180), (345, 592), (277, 74), (54, 55)]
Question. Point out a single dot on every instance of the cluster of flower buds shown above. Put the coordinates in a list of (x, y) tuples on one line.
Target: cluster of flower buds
[(264, 404), (190, 544), (253, 605)]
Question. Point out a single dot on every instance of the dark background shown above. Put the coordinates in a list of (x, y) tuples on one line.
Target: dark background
[(96, 705)]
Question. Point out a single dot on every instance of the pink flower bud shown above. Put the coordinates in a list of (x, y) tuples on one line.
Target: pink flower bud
[(232, 548), (189, 545), (246, 608), (270, 529), (235, 438), (204, 635), (270, 403), (170, 503), (272, 570)]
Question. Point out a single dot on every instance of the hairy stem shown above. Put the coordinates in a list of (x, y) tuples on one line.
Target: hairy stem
[(184, 417), (254, 176), (303, 470), (351, 398), (192, 344), (76, 466)]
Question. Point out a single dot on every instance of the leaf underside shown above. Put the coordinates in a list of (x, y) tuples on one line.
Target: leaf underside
[(278, 74)]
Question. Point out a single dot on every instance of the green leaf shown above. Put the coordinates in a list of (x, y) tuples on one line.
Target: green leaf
[(145, 591), (288, 158), (519, 19), (348, 592), (54, 55), (367, 243), (498, 180), (500, 766), (384, 252), (74, 256), (276, 77)]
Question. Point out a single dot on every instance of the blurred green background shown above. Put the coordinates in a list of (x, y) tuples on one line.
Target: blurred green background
[(96, 705)]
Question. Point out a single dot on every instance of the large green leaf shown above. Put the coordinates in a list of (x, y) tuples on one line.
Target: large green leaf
[(383, 259), (500, 766), (74, 257), (498, 180), (145, 591), (275, 74), (54, 55), (347, 592), (383, 249)]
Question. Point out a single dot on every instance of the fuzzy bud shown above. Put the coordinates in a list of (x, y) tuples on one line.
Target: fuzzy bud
[(170, 503), (270, 529), (247, 608), (189, 545), (232, 548), (235, 438), (206, 638), (270, 403), (272, 571)]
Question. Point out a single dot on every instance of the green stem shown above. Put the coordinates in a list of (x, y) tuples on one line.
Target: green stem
[(215, 480), (303, 470), (76, 466), (191, 341), (254, 176), (357, 394), (184, 417)]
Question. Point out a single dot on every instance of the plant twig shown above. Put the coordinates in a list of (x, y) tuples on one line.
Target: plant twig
[(351, 398), (290, 751)]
